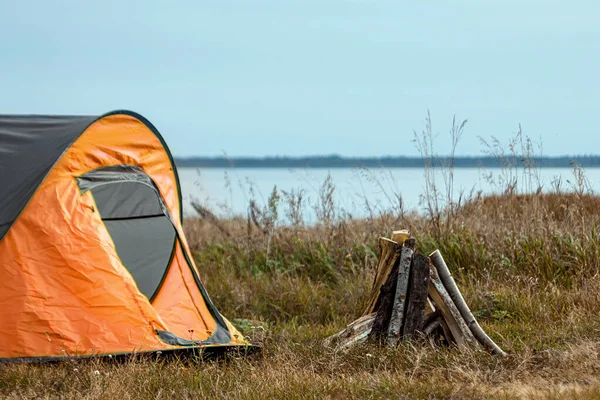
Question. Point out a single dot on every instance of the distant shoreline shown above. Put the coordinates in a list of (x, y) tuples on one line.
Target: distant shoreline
[(383, 162)]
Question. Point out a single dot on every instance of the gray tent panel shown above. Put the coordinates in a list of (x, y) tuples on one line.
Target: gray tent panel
[(123, 191), (145, 246), (121, 200), (4, 228), (29, 147)]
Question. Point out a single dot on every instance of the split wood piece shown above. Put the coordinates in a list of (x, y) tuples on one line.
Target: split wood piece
[(398, 305), (429, 307), (461, 334), (432, 324), (389, 252), (384, 306), (436, 328), (400, 236), (414, 321), (450, 285), (355, 333), (431, 317)]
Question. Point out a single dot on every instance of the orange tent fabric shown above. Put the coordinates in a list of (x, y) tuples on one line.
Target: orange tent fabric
[(92, 252)]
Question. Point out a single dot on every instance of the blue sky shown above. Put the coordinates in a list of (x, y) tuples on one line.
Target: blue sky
[(297, 77)]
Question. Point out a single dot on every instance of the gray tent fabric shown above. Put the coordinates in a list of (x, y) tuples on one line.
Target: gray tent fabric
[(29, 147), (145, 246), (121, 200), (123, 191)]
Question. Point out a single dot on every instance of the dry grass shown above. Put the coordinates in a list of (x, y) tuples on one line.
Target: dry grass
[(527, 266)]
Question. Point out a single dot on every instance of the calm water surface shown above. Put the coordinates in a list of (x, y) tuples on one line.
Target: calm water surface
[(229, 190)]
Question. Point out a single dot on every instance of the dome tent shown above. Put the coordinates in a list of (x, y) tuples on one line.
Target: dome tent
[(93, 259)]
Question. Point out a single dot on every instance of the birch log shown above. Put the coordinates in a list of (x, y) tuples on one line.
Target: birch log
[(414, 319), (355, 333), (432, 325), (389, 251), (460, 331), (398, 308), (450, 285)]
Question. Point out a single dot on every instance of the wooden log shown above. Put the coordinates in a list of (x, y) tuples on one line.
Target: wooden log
[(389, 252), (431, 317), (450, 285), (414, 320), (399, 303), (384, 306), (355, 333), (461, 334), (436, 329), (432, 324)]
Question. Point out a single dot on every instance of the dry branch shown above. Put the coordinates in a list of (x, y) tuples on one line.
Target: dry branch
[(461, 333), (448, 282)]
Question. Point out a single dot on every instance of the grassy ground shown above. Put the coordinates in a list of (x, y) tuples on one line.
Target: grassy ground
[(527, 266)]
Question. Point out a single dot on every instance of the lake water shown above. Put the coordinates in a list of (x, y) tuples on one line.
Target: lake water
[(228, 191)]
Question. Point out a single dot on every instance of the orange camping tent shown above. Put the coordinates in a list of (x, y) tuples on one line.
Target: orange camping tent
[(93, 259)]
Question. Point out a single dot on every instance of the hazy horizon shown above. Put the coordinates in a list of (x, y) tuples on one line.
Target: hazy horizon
[(347, 77)]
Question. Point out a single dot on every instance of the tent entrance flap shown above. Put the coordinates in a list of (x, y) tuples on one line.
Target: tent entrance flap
[(136, 219)]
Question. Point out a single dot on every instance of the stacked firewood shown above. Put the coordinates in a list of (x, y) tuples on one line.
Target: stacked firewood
[(414, 296)]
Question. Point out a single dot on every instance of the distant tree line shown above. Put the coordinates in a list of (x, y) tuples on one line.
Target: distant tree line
[(335, 161)]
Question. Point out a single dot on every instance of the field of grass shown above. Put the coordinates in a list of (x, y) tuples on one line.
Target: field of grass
[(527, 266)]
